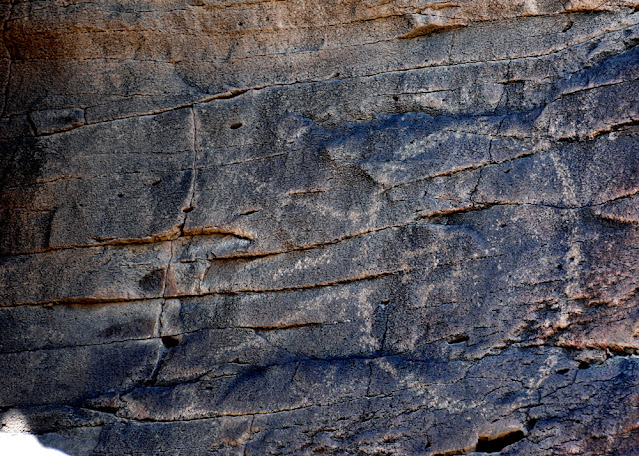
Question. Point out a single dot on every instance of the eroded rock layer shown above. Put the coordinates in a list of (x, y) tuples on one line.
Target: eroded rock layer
[(404, 227)]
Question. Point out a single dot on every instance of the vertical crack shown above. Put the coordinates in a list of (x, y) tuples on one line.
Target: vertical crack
[(160, 325), (167, 270), (382, 320), (297, 367), (471, 197), (186, 210), (452, 46), (250, 436), (189, 206), (162, 351), (382, 346), (504, 93), (370, 379), (154, 374)]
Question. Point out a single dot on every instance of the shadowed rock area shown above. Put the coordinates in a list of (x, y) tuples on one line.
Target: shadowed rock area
[(394, 227)]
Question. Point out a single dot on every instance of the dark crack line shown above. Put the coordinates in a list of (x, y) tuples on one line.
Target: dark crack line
[(171, 234), (192, 190), (369, 361), (68, 347), (235, 92), (333, 283)]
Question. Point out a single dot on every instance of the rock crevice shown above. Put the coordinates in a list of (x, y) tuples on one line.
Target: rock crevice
[(389, 227)]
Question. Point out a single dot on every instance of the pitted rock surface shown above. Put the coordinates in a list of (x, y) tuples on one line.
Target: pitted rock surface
[(395, 227)]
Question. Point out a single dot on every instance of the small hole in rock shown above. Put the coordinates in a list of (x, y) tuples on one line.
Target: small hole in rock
[(583, 365), (120, 195), (395, 97), (567, 27), (170, 341), (496, 444), (157, 182), (187, 209), (559, 266), (562, 371), (236, 125)]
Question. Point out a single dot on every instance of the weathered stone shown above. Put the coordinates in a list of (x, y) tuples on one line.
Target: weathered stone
[(48, 327), (66, 375), (53, 121), (377, 227)]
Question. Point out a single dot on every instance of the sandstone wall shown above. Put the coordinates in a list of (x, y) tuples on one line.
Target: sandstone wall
[(394, 227)]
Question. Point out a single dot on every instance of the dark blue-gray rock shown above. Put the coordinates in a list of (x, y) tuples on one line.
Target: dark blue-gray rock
[(301, 227)]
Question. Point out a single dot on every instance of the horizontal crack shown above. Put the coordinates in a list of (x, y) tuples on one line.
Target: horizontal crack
[(235, 92)]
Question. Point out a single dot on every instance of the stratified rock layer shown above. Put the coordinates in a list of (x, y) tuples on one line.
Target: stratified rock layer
[(401, 227)]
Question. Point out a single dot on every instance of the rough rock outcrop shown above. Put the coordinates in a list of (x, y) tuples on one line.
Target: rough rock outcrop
[(405, 227)]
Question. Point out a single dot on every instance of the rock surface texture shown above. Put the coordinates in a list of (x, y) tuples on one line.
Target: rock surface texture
[(355, 227)]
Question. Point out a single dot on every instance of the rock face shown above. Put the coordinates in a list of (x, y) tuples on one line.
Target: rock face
[(394, 227)]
